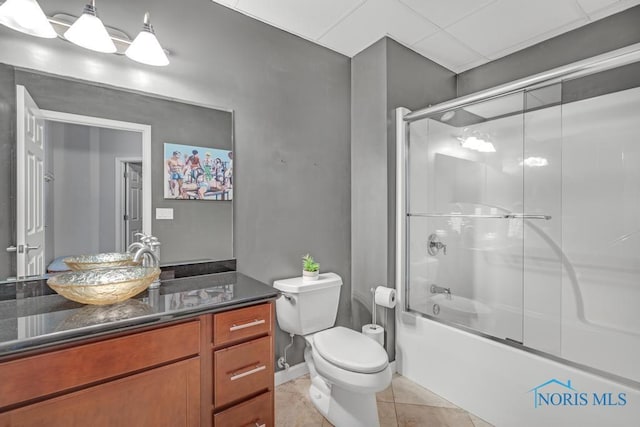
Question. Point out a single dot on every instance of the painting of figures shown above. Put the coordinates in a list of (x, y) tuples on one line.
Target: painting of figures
[(197, 173)]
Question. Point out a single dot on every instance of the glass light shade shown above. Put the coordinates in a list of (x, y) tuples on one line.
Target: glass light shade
[(147, 50), (27, 17), (89, 32), (487, 147)]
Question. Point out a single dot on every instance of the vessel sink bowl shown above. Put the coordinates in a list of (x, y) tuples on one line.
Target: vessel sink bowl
[(103, 286), (106, 260)]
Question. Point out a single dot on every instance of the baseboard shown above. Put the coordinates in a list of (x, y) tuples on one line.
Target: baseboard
[(295, 371)]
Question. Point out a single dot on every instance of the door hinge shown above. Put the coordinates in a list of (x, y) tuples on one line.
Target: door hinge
[(126, 217), (126, 175)]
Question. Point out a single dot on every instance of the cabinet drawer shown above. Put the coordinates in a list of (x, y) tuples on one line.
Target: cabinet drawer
[(54, 372), (255, 412), (242, 323), (242, 370)]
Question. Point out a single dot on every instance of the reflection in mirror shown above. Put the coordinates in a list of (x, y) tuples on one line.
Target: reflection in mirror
[(100, 183)]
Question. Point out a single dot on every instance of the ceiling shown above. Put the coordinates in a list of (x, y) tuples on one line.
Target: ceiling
[(458, 34)]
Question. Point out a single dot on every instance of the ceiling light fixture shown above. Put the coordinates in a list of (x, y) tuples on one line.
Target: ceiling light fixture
[(27, 17), (477, 143), (146, 48), (89, 32), (534, 162)]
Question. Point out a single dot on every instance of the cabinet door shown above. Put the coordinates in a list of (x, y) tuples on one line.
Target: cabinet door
[(167, 396)]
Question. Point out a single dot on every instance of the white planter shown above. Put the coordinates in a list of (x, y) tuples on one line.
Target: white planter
[(310, 275)]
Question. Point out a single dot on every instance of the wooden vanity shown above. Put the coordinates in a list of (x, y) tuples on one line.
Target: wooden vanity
[(211, 369)]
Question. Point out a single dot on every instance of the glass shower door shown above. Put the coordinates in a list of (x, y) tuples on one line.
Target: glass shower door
[(465, 217)]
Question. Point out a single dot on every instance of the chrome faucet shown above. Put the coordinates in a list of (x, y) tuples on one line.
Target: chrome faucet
[(149, 259), (140, 253), (435, 289), (135, 246)]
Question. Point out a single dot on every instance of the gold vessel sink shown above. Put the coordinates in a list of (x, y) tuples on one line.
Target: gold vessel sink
[(103, 286), (106, 260)]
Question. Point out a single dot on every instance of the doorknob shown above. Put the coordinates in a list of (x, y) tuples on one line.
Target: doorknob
[(31, 248)]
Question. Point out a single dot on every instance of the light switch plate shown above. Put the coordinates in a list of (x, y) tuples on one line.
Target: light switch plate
[(164, 213)]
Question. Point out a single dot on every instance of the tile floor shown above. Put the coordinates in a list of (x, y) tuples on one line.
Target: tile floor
[(403, 404)]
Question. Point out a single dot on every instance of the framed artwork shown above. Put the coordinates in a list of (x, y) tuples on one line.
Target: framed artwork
[(197, 173)]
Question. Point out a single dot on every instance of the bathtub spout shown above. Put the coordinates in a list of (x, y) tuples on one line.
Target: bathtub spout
[(435, 289)]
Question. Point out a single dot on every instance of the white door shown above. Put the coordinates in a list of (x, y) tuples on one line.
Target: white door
[(30, 192), (133, 201)]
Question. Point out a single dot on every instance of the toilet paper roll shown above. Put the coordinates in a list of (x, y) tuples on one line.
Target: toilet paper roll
[(385, 297), (374, 332)]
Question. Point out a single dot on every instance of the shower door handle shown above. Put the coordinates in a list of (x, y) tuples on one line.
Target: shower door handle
[(527, 216), (434, 245)]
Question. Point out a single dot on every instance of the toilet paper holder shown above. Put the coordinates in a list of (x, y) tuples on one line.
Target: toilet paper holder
[(374, 309)]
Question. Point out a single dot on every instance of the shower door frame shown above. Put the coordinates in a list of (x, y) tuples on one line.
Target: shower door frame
[(404, 117)]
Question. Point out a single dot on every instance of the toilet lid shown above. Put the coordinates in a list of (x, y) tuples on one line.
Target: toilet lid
[(350, 350)]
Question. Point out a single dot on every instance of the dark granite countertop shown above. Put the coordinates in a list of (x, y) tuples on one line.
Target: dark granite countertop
[(31, 316)]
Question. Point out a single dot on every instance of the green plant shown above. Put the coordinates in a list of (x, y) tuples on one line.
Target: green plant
[(308, 264)]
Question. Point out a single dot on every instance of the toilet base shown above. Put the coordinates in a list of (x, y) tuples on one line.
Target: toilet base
[(343, 408)]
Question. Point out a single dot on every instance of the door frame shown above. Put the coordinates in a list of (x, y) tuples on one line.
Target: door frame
[(144, 130), (121, 163)]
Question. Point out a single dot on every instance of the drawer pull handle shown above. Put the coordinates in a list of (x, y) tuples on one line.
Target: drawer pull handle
[(247, 373), (256, 322), (260, 425)]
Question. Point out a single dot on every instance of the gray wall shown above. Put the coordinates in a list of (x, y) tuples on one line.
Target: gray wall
[(7, 169), (113, 143), (291, 100), (83, 165), (385, 76), (75, 226), (368, 179)]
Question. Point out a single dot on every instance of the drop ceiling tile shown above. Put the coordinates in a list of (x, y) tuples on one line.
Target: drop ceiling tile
[(539, 38), (229, 3), (592, 5), (445, 12), (310, 18), (372, 21), (505, 23), (446, 50), (472, 64)]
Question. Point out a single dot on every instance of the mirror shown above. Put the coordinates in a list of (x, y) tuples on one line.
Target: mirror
[(200, 229)]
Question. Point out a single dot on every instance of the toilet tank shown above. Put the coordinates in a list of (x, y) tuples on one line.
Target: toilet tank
[(308, 306)]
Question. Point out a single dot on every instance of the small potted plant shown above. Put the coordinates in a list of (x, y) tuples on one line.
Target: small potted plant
[(310, 268)]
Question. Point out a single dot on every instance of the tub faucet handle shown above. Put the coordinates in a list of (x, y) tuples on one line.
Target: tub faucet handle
[(434, 245)]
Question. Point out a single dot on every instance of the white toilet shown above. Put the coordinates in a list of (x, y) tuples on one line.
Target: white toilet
[(346, 368)]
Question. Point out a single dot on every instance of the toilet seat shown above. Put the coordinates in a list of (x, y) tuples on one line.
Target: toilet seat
[(356, 382), (350, 350)]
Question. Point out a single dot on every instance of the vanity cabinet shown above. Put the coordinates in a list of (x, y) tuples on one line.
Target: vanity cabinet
[(180, 374)]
